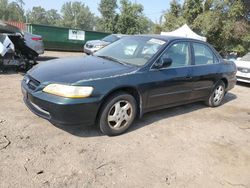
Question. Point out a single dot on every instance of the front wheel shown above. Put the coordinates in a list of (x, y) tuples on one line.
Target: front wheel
[(217, 95), (117, 114)]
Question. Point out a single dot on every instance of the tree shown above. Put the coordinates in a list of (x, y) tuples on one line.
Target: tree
[(20, 3), (247, 9), (77, 15), (157, 28), (191, 9), (173, 17), (224, 23), (225, 26), (4, 14), (38, 15), (132, 20), (209, 24), (108, 19), (53, 17), (207, 5), (15, 12), (11, 11)]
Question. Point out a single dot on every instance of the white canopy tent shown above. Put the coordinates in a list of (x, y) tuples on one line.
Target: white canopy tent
[(184, 31)]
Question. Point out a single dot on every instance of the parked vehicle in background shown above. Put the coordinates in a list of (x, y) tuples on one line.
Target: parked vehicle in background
[(35, 42), (243, 67), (94, 45), (231, 57), (126, 79), (14, 52)]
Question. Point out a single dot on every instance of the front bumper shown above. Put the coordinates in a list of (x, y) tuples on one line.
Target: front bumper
[(90, 51), (243, 77), (59, 110)]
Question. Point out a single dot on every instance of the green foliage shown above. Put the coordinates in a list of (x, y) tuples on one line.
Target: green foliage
[(207, 5), (38, 15), (191, 9), (224, 23), (174, 17), (109, 17), (16, 12), (11, 11), (4, 13), (76, 14), (209, 24), (131, 19), (157, 29), (53, 17)]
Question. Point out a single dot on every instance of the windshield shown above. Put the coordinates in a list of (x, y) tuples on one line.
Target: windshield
[(132, 50), (246, 57), (110, 38)]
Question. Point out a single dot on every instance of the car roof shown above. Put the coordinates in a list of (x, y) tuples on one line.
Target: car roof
[(120, 35), (169, 38)]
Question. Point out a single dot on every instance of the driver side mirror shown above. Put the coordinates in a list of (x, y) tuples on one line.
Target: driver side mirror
[(163, 62)]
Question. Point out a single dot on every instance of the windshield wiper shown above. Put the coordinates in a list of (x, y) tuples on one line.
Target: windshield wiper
[(112, 59)]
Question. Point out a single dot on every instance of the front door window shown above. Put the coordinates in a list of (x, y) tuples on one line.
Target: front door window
[(179, 53)]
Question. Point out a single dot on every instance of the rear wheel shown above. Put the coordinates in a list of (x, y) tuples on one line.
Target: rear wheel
[(117, 114), (217, 95)]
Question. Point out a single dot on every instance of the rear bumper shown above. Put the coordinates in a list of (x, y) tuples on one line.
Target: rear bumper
[(61, 111)]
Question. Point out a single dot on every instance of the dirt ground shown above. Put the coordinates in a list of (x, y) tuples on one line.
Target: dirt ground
[(58, 54), (187, 146)]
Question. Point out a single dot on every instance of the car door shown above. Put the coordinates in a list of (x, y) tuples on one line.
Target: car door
[(205, 70), (169, 86)]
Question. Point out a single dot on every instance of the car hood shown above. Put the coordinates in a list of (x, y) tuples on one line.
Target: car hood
[(79, 69), (97, 42), (245, 64)]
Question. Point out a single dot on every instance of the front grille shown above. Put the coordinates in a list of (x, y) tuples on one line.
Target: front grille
[(32, 83), (89, 45), (244, 70)]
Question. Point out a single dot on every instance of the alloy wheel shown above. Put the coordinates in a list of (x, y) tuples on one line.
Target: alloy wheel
[(218, 94), (120, 114)]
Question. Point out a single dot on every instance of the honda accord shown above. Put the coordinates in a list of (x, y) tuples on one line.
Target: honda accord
[(126, 79)]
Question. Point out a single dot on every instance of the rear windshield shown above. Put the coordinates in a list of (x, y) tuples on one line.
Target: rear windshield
[(110, 38)]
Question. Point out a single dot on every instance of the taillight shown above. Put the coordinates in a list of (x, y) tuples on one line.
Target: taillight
[(36, 38)]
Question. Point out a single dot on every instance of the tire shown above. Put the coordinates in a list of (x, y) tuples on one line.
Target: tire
[(117, 114), (217, 96)]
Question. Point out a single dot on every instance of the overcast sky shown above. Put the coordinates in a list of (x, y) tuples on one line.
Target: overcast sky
[(152, 8)]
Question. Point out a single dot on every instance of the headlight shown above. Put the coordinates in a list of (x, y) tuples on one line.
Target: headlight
[(69, 91), (99, 46)]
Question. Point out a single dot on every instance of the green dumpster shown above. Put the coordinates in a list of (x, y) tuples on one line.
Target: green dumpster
[(62, 38)]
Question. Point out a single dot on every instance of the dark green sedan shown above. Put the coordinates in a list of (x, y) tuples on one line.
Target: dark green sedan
[(126, 79)]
